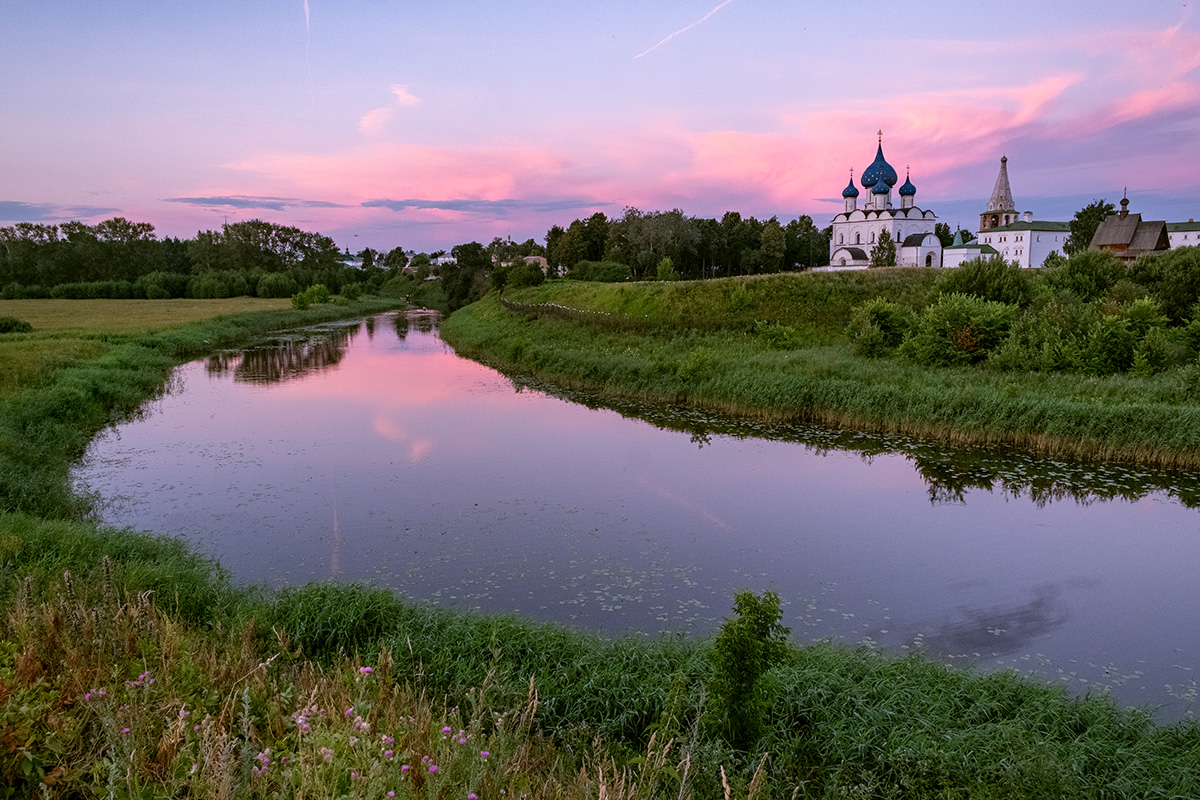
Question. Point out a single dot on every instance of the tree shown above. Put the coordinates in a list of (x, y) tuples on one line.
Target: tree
[(369, 257), (1084, 225), (395, 260), (772, 248), (884, 254)]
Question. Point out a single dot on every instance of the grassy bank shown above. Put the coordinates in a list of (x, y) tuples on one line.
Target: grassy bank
[(131, 667), (788, 360)]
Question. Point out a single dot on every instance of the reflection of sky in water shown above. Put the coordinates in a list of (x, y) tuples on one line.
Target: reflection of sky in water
[(394, 461)]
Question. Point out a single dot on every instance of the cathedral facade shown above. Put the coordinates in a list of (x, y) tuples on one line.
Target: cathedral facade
[(857, 230)]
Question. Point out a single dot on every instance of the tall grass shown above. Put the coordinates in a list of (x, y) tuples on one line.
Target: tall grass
[(1152, 419), (108, 693)]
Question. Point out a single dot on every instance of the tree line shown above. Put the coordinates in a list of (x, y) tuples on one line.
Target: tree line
[(698, 247), (120, 258)]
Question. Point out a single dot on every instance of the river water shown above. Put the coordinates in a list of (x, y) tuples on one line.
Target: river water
[(370, 452)]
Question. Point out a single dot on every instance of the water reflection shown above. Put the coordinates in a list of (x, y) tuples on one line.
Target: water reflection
[(949, 472), (288, 358), (998, 630)]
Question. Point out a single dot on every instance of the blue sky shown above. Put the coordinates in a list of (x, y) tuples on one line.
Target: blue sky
[(425, 125)]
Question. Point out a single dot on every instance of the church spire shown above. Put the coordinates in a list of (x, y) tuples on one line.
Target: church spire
[(1001, 210), (1002, 199)]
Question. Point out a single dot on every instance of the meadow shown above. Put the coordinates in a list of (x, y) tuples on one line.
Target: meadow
[(131, 666)]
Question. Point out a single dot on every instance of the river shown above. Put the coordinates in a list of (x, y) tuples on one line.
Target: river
[(370, 452)]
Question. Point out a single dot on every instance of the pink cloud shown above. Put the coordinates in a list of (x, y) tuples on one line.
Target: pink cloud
[(374, 120), (403, 96)]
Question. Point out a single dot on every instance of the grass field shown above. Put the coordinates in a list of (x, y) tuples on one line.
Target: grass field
[(127, 316)]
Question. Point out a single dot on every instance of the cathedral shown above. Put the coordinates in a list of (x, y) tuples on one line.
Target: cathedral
[(856, 230)]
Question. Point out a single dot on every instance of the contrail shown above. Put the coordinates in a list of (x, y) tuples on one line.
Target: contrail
[(312, 96), (681, 30)]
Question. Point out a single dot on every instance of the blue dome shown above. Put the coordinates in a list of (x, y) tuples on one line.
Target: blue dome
[(880, 188), (850, 191), (907, 190), (880, 170)]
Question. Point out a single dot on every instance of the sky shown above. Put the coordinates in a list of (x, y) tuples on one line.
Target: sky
[(425, 125)]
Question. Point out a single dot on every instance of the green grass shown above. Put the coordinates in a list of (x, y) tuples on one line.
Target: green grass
[(130, 667), (723, 367)]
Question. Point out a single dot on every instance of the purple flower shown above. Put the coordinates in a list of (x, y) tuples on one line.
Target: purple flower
[(484, 754), (433, 767), (446, 730), (387, 753), (365, 670), (404, 768)]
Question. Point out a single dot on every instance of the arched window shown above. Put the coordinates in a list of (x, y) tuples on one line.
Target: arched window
[(872, 237), (841, 238), (929, 260), (843, 262), (995, 220), (858, 238)]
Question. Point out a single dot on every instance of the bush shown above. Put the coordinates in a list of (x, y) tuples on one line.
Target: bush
[(958, 329), (779, 337), (878, 325), (276, 284), (14, 325), (1110, 345), (1087, 274), (162, 285), (352, 291), (1049, 337), (747, 646), (213, 285), (317, 293), (602, 271), (1173, 276), (521, 275), (989, 278), (666, 270)]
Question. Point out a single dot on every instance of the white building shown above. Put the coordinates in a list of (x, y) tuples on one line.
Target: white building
[(856, 230), (1184, 234), (1018, 237)]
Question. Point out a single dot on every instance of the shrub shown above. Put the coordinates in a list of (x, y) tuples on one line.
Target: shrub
[(779, 337), (1110, 345), (666, 270), (1153, 354), (162, 285), (317, 293), (1173, 276), (14, 325), (1049, 337), (989, 278), (1088, 274), (352, 291), (1143, 315), (276, 284), (602, 271), (958, 329), (746, 648), (209, 285), (521, 275), (878, 325)]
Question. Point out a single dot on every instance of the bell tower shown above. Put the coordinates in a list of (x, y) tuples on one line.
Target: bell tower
[(1001, 210)]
